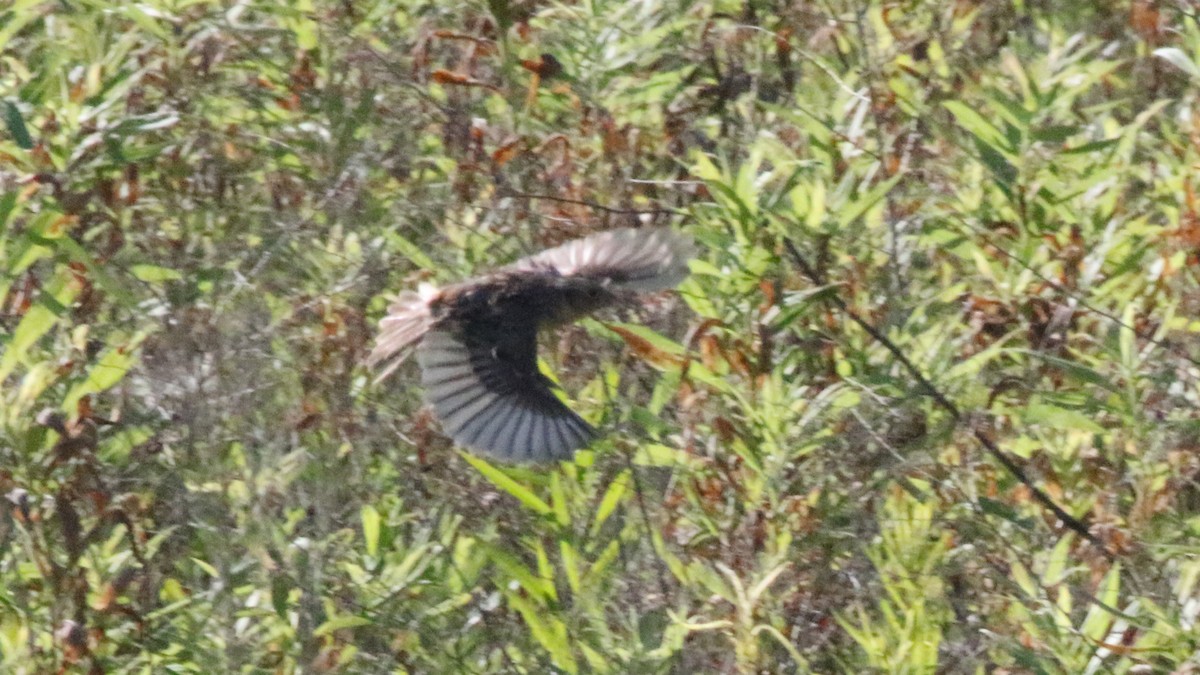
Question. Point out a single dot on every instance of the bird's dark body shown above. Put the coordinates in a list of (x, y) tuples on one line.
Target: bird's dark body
[(498, 317), (477, 339), (520, 298)]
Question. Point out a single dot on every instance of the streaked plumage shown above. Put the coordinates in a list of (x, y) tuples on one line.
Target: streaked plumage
[(476, 341)]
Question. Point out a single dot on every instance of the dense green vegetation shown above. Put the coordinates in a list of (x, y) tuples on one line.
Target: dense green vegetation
[(205, 206)]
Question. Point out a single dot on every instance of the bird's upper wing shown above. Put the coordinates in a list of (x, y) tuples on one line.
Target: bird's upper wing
[(483, 382), (645, 259)]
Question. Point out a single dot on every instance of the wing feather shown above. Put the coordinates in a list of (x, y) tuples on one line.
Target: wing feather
[(645, 259), (484, 385)]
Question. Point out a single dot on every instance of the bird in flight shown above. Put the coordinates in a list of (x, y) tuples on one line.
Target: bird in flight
[(476, 341)]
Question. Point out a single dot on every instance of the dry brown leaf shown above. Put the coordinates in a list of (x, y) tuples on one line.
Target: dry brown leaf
[(645, 349), (507, 151), (442, 76), (545, 66)]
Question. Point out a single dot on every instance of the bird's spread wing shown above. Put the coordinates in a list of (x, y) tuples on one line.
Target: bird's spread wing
[(646, 259), (484, 384), (406, 321)]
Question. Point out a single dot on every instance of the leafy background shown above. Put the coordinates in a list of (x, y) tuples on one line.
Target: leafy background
[(204, 207)]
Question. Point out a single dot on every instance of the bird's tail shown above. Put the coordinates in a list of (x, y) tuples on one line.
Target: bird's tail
[(408, 319), (646, 259)]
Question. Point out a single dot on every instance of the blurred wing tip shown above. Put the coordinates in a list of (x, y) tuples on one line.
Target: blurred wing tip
[(374, 360), (527, 436), (636, 259), (654, 261), (406, 323)]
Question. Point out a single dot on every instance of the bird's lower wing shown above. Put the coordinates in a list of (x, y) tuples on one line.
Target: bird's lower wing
[(490, 397)]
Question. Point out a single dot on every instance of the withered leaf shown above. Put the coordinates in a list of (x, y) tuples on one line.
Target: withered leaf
[(645, 349), (507, 151), (545, 66), (442, 76)]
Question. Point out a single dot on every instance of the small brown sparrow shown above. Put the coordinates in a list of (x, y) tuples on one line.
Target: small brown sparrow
[(476, 341)]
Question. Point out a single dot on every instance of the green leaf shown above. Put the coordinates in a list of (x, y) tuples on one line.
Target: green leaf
[(1055, 133), (1094, 146), (535, 585), (502, 480), (108, 371), (656, 454), (863, 203), (307, 34), (595, 573), (975, 123), (409, 569), (154, 273), (450, 604), (151, 21), (995, 148), (570, 563), (672, 561), (1002, 510), (610, 501), (558, 498), (16, 17), (700, 573), (208, 569), (1099, 618), (8, 204), (1126, 338), (1059, 418), (1024, 580), (281, 585), (341, 623), (38, 320), (411, 251), (547, 629), (719, 184), (1075, 369), (371, 528), (1056, 566), (16, 126)]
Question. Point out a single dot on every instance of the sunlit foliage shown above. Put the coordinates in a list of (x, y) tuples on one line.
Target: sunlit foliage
[(204, 207)]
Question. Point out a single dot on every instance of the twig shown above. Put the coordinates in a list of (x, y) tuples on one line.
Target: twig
[(1070, 522), (1146, 335), (594, 205)]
